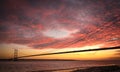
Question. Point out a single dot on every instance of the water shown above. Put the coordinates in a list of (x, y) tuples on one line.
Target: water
[(28, 66)]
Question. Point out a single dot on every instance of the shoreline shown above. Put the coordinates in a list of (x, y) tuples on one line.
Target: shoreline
[(107, 68), (60, 70)]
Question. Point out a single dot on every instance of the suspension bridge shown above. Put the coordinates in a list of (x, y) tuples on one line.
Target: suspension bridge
[(16, 57)]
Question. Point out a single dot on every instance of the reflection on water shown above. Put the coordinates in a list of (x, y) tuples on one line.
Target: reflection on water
[(24, 66)]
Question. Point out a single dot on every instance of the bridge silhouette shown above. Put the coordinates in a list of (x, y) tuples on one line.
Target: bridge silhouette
[(16, 57)]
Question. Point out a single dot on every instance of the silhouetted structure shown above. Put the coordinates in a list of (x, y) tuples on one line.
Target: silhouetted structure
[(15, 54), (99, 49), (16, 57)]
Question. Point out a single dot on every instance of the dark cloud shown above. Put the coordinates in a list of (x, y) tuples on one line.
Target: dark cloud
[(46, 3), (4, 28)]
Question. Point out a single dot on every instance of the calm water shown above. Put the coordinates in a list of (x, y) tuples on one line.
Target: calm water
[(25, 66)]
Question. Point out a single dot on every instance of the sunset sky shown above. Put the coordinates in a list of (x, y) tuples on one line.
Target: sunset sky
[(46, 26)]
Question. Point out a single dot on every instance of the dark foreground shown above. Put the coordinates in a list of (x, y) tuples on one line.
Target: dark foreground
[(113, 68)]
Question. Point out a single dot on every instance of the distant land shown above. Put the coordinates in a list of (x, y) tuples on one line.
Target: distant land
[(56, 60), (39, 60)]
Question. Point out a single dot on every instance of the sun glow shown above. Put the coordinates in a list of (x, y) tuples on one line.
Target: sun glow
[(93, 55), (80, 48)]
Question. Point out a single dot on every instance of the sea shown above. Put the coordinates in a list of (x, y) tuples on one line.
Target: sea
[(50, 66)]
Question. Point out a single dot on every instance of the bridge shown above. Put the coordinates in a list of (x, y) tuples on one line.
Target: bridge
[(16, 57)]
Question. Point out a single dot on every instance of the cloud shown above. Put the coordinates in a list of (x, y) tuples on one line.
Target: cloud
[(59, 24), (12, 46), (59, 33)]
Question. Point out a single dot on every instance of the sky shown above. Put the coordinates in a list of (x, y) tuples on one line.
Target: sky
[(45, 26)]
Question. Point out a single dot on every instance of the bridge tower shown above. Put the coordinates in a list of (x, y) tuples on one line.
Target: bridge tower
[(15, 54)]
